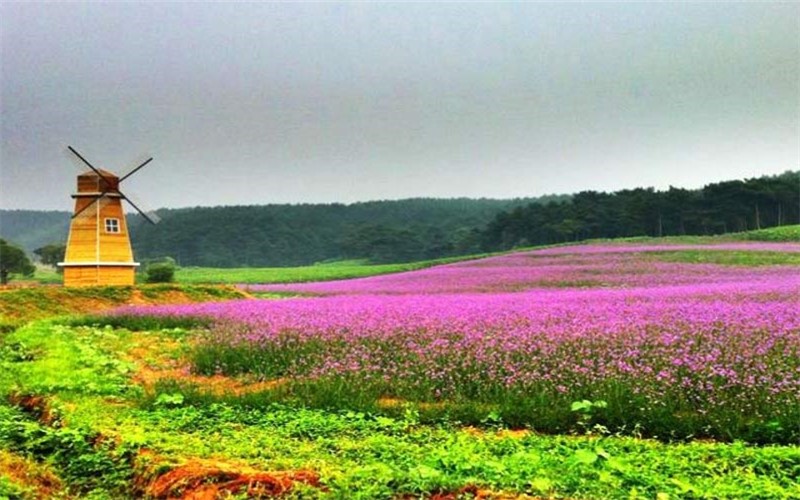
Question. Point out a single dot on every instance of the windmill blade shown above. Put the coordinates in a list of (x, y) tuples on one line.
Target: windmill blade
[(78, 161), (98, 204), (139, 163), (82, 162), (149, 215)]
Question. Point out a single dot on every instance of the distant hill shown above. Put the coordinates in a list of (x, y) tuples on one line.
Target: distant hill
[(32, 229), (285, 235)]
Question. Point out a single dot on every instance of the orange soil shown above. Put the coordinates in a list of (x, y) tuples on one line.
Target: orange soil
[(503, 433), (53, 300), (199, 479), (399, 403), (474, 492), (36, 406), (26, 472)]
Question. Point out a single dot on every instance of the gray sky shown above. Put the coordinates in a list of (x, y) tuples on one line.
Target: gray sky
[(272, 103)]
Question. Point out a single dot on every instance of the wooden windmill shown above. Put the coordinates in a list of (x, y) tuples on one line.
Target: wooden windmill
[(99, 247)]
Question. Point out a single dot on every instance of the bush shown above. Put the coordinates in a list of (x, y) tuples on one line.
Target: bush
[(138, 323), (13, 260), (160, 272)]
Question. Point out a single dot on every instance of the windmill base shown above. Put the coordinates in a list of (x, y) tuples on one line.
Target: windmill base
[(99, 275)]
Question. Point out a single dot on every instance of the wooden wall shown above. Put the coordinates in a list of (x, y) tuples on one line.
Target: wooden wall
[(98, 275), (82, 243)]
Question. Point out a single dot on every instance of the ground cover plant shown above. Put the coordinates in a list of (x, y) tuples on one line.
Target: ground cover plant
[(779, 233), (673, 350)]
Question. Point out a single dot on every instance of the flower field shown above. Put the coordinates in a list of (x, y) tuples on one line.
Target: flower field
[(667, 349)]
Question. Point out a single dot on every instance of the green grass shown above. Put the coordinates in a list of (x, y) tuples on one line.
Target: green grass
[(320, 272), (43, 275), (781, 233), (775, 234), (730, 257), (99, 422), (48, 276), (138, 323)]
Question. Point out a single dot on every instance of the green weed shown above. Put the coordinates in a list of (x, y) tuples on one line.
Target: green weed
[(83, 458), (138, 323), (729, 257), (780, 233)]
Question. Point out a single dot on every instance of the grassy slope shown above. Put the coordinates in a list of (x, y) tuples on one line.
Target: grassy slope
[(782, 233), (778, 234), (325, 272), (18, 305), (730, 257)]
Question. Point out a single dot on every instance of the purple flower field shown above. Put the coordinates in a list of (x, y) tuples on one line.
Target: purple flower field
[(573, 266), (676, 349)]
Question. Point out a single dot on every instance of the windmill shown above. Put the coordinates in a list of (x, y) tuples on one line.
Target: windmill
[(99, 247)]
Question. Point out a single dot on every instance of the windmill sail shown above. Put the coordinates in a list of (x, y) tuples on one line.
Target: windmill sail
[(92, 209), (150, 215)]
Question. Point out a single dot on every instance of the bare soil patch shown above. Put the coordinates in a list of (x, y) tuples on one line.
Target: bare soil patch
[(474, 493), (200, 479), (36, 406)]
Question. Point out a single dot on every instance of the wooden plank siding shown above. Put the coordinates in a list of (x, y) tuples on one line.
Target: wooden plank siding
[(98, 275), (83, 233)]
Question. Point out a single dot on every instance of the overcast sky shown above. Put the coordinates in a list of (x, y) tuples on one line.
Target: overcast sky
[(284, 102)]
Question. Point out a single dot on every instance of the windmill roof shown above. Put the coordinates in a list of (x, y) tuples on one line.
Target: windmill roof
[(104, 173)]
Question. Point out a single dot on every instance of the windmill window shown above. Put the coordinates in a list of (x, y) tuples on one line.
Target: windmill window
[(112, 225)]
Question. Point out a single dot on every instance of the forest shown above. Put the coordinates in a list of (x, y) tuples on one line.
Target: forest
[(293, 235), (723, 207), (424, 228)]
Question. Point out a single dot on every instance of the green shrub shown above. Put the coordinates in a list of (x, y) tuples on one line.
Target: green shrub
[(13, 260), (160, 272), (138, 323)]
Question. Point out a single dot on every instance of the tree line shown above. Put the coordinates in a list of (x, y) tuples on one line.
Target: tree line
[(425, 228), (295, 235), (722, 207)]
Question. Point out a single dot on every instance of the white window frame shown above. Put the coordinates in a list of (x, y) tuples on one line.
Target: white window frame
[(112, 225)]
